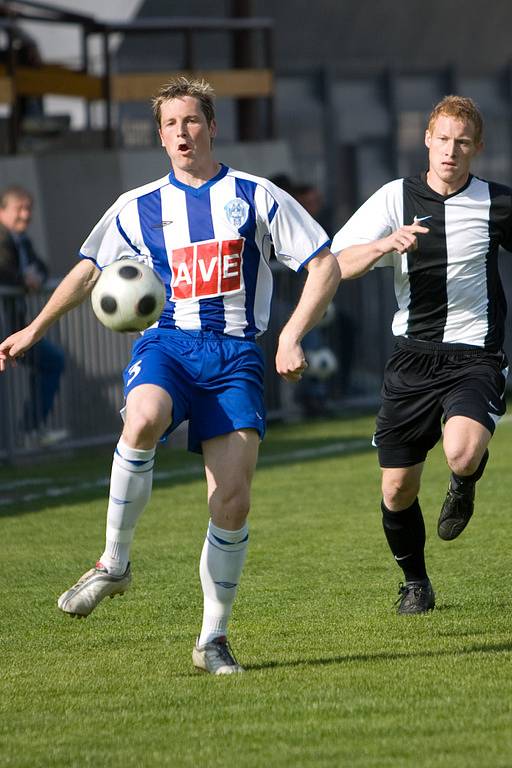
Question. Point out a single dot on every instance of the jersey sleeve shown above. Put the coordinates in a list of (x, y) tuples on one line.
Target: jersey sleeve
[(108, 241), (378, 217), (295, 235)]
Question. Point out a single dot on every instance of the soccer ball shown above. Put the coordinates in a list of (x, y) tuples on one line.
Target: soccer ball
[(322, 363), (128, 296)]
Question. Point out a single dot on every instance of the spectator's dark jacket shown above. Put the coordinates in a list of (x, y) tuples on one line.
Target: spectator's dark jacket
[(10, 272), (12, 318)]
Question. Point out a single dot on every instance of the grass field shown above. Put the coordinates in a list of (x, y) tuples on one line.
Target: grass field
[(334, 676)]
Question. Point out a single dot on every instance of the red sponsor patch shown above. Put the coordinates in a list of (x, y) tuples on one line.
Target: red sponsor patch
[(210, 268)]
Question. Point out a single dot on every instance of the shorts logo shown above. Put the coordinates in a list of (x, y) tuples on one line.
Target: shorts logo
[(237, 212), (207, 269), (133, 371)]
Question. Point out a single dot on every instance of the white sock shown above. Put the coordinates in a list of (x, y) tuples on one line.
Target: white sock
[(130, 488), (222, 560)]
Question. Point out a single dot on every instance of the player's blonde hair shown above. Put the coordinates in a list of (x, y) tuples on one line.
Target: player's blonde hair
[(184, 86), (460, 108)]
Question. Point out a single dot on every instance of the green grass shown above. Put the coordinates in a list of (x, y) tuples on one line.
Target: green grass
[(334, 676)]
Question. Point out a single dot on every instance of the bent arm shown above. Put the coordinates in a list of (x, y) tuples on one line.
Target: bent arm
[(357, 260), (72, 291), (320, 286)]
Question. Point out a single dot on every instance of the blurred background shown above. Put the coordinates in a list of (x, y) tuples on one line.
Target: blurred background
[(330, 100)]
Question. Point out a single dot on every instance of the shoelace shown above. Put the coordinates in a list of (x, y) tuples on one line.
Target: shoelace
[(224, 650), (404, 589), (460, 503), (87, 575)]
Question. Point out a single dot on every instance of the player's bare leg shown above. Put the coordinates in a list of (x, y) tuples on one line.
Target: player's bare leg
[(465, 444), (148, 413), (230, 461), (404, 528)]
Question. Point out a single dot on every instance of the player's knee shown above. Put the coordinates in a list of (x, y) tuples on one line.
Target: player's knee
[(399, 494), (144, 427), (463, 460), (229, 507)]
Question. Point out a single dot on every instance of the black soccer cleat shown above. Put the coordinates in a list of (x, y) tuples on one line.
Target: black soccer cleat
[(456, 512), (415, 597)]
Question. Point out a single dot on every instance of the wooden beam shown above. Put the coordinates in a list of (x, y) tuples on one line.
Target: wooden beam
[(38, 81), (52, 79), (6, 91), (233, 83)]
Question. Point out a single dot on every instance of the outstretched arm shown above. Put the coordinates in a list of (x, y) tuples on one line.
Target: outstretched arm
[(321, 284), (357, 260), (73, 289)]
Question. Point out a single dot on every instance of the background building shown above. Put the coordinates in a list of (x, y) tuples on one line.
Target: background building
[(346, 92)]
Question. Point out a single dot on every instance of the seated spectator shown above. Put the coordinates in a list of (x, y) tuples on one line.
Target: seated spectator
[(20, 266)]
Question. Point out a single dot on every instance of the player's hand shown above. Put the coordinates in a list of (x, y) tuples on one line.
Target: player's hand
[(15, 346), (404, 239), (290, 360)]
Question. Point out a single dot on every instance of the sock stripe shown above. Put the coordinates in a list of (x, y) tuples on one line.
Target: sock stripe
[(229, 546), (228, 543), (135, 462)]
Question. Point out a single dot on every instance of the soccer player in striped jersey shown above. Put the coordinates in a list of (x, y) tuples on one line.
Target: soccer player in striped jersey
[(441, 232), (207, 230)]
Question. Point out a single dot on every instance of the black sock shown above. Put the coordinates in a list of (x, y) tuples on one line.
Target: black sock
[(405, 534), (464, 484)]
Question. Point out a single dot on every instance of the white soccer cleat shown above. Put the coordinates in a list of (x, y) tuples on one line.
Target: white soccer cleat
[(216, 658), (91, 588)]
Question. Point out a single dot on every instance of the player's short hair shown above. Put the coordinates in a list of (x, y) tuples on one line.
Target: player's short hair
[(460, 108), (185, 86), (14, 190)]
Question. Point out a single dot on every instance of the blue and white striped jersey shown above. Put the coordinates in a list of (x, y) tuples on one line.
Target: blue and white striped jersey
[(210, 245)]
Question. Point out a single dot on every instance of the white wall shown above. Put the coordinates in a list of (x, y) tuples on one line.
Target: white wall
[(73, 189)]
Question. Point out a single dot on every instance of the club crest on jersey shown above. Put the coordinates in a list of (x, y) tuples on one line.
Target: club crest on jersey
[(237, 212)]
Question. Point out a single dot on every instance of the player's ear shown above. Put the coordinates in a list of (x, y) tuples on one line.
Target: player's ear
[(428, 138), (161, 138), (213, 129)]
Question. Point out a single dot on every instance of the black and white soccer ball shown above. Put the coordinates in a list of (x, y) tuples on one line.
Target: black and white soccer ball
[(322, 363), (128, 296)]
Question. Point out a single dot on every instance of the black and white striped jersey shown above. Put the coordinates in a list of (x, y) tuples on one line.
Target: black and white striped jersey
[(449, 289)]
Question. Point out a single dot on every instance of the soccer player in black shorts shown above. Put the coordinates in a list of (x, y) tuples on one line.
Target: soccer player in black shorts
[(441, 231)]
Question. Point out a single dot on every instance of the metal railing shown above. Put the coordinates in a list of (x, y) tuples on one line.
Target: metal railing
[(91, 390), (90, 394)]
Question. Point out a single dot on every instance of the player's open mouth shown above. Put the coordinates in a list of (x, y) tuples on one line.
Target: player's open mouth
[(183, 147)]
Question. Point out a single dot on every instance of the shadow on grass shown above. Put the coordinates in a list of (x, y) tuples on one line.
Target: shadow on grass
[(70, 483), (368, 657), (358, 658)]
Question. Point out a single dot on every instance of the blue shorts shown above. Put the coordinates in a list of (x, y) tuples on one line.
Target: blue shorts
[(215, 381)]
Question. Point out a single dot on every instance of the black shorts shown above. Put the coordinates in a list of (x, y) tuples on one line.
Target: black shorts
[(427, 383)]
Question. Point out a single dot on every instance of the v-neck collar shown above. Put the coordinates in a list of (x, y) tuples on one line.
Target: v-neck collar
[(197, 191), (439, 196)]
